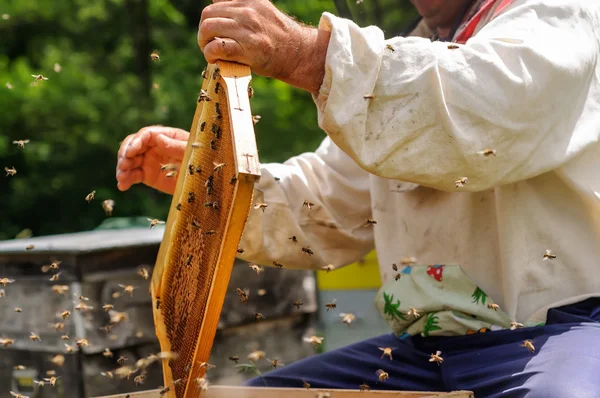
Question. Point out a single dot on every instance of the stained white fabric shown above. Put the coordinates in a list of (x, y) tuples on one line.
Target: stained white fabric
[(526, 85)]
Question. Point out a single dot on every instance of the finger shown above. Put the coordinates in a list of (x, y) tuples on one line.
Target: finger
[(129, 163), (128, 178), (146, 139), (124, 145), (171, 148), (223, 10), (223, 49), (213, 28)]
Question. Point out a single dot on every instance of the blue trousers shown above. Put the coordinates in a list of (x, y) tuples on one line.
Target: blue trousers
[(565, 364)]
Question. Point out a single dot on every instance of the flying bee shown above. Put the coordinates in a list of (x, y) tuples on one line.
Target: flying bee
[(256, 119), (258, 316), (121, 360), (218, 166), (51, 380), (144, 272), (10, 171), (127, 289), (256, 268), (65, 314), (413, 312), (82, 307), (277, 264), (90, 196), (437, 358), (107, 374), (315, 340), (307, 251), (261, 292), (305, 384), (203, 96), (34, 337), (64, 337), (389, 47), (154, 56), (58, 326), (206, 365), (139, 379), (2, 293), (242, 295), (261, 206), (5, 342), (328, 267), (382, 375), (515, 325), (370, 221), (298, 304), (107, 329), (55, 277), (234, 358), (364, 387), (107, 353), (168, 167), (171, 174), (154, 222), (293, 239), (81, 342), (387, 352), (348, 318), (369, 96), (117, 317), (51, 267), (548, 255), (257, 355), (58, 360), (332, 305), (202, 383), (487, 152), (108, 205), (529, 345), (275, 363), (38, 78), (69, 348), (60, 289), (20, 367), (18, 309), (6, 281), (20, 143), (29, 247), (408, 261), (308, 204), (17, 395), (82, 298), (461, 182), (494, 307)]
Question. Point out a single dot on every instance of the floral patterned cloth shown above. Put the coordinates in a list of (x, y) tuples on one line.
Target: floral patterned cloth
[(438, 300)]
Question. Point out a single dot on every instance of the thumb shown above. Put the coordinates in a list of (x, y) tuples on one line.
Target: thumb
[(170, 147)]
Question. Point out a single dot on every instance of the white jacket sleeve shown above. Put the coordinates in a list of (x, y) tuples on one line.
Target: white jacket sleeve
[(333, 229), (520, 86)]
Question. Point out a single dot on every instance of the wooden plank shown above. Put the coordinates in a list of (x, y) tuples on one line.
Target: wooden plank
[(264, 392)]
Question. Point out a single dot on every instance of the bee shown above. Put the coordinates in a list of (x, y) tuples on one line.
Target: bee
[(261, 292), (107, 353), (369, 96), (218, 166), (65, 314), (382, 375), (107, 374), (108, 205), (18, 309), (529, 345), (195, 224), (139, 379), (178, 207), (387, 352), (548, 255), (21, 143), (364, 387), (234, 358), (164, 391), (515, 325), (258, 316), (69, 348), (154, 56), (218, 110), (308, 204), (158, 304), (277, 179), (51, 267), (315, 340), (117, 317), (217, 73), (81, 342), (328, 267), (461, 182), (262, 206), (206, 365), (370, 221), (154, 222), (2, 293), (90, 196), (242, 295), (494, 307), (298, 304), (64, 337), (437, 358), (293, 239), (6, 281), (348, 318), (256, 119), (217, 87), (8, 85), (250, 91), (5, 342), (191, 169), (209, 184), (34, 337), (202, 383), (452, 47), (168, 167), (82, 298), (255, 356), (191, 197), (171, 174), (54, 277), (256, 268), (214, 205), (29, 247), (128, 289), (60, 289), (144, 272), (58, 360), (40, 383), (213, 145), (82, 307), (203, 96), (202, 126), (305, 384), (38, 78), (395, 267), (389, 47), (275, 363), (51, 380), (307, 251), (487, 152), (189, 259), (277, 264), (10, 171), (17, 395), (121, 360), (233, 180), (204, 73), (58, 326), (211, 232), (19, 367), (332, 305)]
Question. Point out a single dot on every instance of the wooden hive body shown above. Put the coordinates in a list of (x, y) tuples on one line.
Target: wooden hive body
[(210, 207)]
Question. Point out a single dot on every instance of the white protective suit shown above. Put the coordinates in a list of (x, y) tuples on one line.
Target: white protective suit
[(526, 85)]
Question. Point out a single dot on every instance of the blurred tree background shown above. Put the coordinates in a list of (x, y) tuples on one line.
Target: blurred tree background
[(102, 85)]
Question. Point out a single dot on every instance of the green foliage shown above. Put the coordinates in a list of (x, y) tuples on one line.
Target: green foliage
[(431, 324), (390, 308), (478, 295), (100, 89)]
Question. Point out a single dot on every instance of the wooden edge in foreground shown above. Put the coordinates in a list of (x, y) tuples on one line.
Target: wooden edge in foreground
[(266, 392)]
